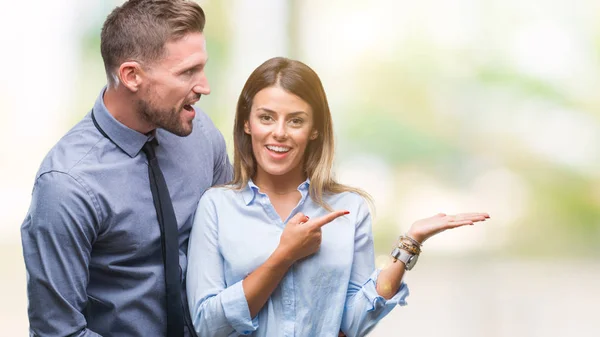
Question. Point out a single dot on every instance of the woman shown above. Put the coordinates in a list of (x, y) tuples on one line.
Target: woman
[(268, 256)]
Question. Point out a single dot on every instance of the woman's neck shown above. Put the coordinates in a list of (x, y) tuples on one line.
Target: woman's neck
[(279, 184)]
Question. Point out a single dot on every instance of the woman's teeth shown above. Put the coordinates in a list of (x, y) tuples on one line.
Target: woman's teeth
[(280, 149)]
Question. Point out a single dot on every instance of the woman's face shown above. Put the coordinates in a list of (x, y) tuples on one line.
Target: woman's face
[(280, 125)]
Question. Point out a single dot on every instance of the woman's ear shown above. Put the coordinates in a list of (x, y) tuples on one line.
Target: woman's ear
[(246, 127), (314, 134)]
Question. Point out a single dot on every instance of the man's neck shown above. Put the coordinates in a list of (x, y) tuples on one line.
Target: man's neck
[(120, 103)]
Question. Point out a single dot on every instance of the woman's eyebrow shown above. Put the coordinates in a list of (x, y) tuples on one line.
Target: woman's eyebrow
[(295, 113)]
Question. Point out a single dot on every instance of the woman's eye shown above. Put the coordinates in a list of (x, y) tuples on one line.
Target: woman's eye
[(296, 121), (265, 118)]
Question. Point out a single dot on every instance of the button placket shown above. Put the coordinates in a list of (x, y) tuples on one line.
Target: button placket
[(288, 297)]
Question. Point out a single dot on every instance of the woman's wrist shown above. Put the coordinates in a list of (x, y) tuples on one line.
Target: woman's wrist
[(281, 258), (415, 236)]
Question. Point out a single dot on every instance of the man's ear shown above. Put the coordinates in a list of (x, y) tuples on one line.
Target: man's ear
[(129, 74), (246, 127), (314, 134)]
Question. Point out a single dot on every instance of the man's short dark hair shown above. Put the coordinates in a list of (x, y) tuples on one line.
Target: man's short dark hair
[(139, 29)]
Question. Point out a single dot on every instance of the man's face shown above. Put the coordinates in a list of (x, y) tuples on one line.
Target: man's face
[(173, 84)]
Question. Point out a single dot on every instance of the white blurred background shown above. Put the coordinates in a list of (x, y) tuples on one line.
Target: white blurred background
[(439, 106)]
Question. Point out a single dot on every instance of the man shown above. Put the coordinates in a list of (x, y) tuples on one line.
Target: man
[(97, 263)]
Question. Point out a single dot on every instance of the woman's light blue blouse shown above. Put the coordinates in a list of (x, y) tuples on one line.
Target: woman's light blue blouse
[(234, 232)]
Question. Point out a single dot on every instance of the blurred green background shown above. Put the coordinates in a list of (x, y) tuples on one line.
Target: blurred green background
[(438, 106)]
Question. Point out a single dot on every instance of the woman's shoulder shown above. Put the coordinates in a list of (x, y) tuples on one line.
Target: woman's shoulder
[(220, 193), (348, 200), (346, 196)]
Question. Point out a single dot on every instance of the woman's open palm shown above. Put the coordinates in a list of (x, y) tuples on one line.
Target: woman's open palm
[(423, 229)]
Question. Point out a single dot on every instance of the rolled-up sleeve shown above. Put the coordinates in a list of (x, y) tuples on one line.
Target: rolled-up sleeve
[(369, 291), (57, 237), (216, 309), (364, 307)]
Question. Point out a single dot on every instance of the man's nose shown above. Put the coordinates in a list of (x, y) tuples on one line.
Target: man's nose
[(202, 87)]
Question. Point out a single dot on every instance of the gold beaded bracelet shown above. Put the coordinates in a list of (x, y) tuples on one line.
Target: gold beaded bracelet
[(409, 247), (411, 240)]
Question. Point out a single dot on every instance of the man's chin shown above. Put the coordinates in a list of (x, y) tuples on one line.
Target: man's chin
[(183, 130), (187, 131), (187, 122)]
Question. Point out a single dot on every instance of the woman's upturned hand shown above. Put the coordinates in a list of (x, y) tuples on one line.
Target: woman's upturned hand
[(302, 236), (423, 229)]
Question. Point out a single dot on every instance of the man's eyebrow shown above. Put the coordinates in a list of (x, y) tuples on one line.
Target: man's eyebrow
[(198, 65)]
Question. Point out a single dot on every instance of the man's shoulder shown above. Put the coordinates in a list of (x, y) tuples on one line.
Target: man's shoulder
[(71, 150), (205, 125)]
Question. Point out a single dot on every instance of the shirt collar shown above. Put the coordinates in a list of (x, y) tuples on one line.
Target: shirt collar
[(249, 193), (127, 139)]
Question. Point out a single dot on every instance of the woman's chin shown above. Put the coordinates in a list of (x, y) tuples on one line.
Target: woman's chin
[(277, 170)]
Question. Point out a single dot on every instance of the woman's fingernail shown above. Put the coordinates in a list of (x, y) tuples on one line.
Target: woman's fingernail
[(307, 217), (346, 212)]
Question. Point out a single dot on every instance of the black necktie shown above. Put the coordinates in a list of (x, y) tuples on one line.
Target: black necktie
[(169, 239)]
